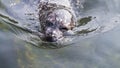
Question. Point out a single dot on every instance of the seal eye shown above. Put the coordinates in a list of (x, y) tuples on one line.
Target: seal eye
[(48, 23), (63, 29)]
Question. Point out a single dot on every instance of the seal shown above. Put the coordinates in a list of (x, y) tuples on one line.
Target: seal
[(55, 20)]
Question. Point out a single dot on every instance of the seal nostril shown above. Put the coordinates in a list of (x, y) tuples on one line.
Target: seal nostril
[(49, 34)]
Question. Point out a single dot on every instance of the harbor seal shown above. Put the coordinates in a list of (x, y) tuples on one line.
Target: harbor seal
[(56, 19)]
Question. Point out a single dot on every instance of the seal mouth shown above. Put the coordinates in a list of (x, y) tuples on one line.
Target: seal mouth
[(50, 39)]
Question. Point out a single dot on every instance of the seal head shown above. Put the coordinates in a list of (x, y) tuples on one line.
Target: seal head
[(55, 21), (57, 24)]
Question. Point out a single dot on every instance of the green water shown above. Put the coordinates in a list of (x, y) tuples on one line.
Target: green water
[(97, 51)]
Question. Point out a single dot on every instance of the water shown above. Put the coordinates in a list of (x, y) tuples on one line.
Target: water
[(94, 51)]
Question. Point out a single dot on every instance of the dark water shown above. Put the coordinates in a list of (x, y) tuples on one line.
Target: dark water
[(97, 51)]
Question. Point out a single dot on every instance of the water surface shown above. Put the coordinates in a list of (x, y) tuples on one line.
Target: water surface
[(95, 51)]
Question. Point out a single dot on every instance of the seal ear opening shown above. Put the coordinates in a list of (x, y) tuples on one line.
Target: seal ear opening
[(72, 25), (73, 22)]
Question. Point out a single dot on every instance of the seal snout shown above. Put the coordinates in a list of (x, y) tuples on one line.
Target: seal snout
[(53, 34)]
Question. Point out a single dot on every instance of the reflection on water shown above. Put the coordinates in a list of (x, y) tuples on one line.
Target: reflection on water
[(98, 51), (7, 50)]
